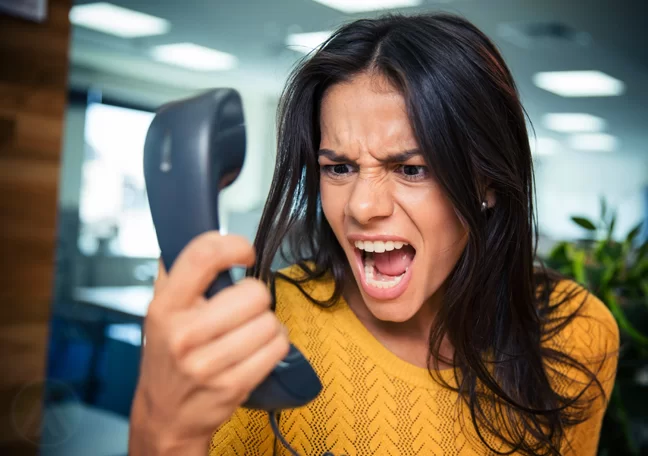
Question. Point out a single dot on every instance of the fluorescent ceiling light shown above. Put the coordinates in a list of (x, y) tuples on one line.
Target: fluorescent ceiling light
[(544, 146), (360, 6), (573, 122), (579, 83), (306, 42), (594, 142), (118, 21), (193, 56)]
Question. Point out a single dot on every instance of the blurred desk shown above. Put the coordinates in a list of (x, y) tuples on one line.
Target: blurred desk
[(132, 301), (73, 429), (95, 319)]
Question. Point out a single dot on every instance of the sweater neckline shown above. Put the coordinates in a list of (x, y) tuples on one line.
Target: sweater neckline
[(382, 356)]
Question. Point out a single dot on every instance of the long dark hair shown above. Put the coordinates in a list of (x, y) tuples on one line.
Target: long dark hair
[(468, 120)]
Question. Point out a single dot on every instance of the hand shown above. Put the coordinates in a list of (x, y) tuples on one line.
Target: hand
[(202, 358)]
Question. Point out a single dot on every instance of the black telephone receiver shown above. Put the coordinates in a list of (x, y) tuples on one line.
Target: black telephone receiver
[(193, 149)]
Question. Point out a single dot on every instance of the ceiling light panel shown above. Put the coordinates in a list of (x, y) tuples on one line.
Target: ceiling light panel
[(573, 122), (194, 57), (361, 6), (306, 42), (579, 83), (594, 142), (118, 21)]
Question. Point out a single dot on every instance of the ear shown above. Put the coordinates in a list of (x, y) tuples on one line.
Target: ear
[(491, 198)]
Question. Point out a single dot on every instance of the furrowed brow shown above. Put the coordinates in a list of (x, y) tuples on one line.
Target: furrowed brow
[(331, 155), (391, 159), (401, 157)]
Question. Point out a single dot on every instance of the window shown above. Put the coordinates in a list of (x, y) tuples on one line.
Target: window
[(113, 208)]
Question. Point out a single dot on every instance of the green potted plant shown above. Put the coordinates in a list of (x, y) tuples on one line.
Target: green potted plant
[(616, 271)]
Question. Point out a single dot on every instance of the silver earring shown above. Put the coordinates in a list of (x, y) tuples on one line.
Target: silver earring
[(484, 206)]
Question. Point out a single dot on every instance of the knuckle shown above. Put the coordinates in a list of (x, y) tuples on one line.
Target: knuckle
[(258, 294), (231, 388), (275, 324), (266, 326), (198, 370), (212, 248), (178, 343), (204, 250), (284, 345), (153, 317), (156, 322), (281, 346)]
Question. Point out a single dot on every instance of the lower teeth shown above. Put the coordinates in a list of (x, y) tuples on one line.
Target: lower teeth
[(372, 280)]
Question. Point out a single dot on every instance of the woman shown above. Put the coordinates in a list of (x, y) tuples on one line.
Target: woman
[(404, 186)]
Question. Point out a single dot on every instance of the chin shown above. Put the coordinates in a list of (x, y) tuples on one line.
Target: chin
[(394, 312)]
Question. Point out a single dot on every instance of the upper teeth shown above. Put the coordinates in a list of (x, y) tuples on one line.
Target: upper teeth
[(379, 246)]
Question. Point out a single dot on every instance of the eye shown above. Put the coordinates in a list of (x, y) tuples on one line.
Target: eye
[(413, 172), (338, 170)]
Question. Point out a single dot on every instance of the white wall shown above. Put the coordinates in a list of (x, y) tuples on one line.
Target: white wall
[(249, 191), (572, 184)]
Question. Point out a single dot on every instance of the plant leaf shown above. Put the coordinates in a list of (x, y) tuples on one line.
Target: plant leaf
[(584, 223), (603, 208), (644, 288), (622, 320), (578, 264), (642, 251), (611, 226), (634, 232), (608, 273)]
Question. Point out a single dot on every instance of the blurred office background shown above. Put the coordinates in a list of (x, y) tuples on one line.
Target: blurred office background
[(130, 56)]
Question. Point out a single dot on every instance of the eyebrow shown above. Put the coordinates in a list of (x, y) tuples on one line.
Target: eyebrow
[(391, 159)]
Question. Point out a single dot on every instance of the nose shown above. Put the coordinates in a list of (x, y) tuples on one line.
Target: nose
[(369, 200)]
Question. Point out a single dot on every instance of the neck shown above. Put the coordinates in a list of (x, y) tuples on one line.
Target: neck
[(409, 339), (417, 327)]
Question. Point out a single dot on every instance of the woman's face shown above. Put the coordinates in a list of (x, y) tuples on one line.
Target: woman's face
[(398, 230)]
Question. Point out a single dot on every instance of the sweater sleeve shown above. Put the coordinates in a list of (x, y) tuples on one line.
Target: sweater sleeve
[(592, 338)]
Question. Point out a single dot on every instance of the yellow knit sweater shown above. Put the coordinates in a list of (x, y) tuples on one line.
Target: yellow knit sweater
[(374, 403)]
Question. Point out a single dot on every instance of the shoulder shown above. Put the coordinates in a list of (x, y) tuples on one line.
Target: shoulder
[(301, 282), (582, 343), (584, 319), (302, 297), (582, 328)]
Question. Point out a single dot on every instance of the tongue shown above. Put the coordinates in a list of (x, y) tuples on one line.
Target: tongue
[(394, 263)]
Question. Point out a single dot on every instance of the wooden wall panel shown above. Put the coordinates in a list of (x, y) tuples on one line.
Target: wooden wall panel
[(33, 88)]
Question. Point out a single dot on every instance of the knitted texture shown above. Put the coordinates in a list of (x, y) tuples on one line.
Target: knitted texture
[(374, 403)]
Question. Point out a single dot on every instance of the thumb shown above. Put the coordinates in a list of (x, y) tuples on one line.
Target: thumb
[(161, 279)]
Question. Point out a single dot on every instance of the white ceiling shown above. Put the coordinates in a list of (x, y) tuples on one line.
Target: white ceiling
[(255, 30)]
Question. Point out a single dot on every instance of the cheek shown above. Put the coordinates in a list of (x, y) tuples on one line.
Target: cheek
[(333, 203), (446, 236), (441, 230), (447, 226)]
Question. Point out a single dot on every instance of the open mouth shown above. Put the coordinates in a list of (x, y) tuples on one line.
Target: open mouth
[(385, 266)]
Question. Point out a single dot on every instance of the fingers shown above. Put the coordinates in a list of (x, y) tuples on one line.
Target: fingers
[(230, 309), (199, 264), (161, 278), (212, 359), (243, 377)]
